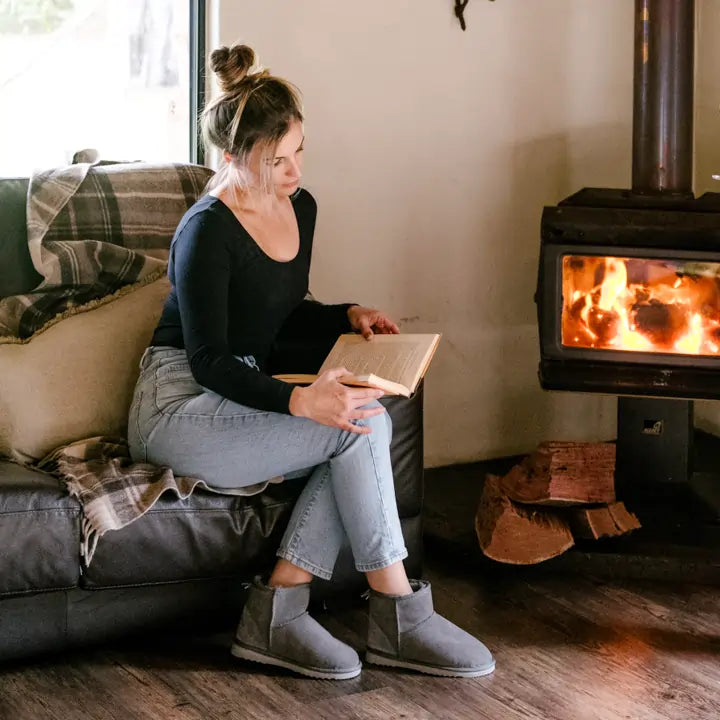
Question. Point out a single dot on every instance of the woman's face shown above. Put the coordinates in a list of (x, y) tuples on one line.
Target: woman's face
[(287, 163), (285, 166)]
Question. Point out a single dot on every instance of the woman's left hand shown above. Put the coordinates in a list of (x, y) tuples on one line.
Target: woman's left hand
[(368, 321)]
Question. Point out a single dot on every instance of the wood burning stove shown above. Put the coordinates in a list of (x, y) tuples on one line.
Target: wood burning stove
[(628, 293)]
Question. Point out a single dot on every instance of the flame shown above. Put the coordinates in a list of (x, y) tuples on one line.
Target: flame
[(614, 284), (641, 305), (691, 343)]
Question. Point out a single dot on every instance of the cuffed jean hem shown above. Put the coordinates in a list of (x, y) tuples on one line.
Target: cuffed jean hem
[(380, 564), (304, 564)]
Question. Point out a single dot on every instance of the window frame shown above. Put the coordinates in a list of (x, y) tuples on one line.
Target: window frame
[(197, 77)]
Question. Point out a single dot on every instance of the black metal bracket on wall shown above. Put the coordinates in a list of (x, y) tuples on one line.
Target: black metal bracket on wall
[(460, 6)]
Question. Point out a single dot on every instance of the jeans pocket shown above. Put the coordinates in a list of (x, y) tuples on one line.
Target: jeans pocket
[(174, 387)]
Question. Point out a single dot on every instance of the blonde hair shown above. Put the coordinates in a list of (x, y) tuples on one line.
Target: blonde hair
[(252, 113)]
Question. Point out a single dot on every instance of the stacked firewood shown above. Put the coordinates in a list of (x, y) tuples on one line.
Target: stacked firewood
[(561, 492)]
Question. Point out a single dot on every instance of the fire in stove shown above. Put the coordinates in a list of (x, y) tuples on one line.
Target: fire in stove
[(641, 304)]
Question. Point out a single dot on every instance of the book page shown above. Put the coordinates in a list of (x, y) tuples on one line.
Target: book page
[(398, 358)]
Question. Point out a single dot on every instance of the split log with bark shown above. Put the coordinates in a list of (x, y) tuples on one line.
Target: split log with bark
[(518, 534), (592, 523), (564, 473)]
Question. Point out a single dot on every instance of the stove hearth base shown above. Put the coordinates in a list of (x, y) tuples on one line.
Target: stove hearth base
[(668, 474), (657, 457), (678, 542)]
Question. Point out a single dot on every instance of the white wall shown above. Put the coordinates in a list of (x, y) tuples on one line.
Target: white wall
[(431, 153)]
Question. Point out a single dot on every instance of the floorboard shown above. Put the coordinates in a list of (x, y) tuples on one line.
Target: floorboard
[(568, 647)]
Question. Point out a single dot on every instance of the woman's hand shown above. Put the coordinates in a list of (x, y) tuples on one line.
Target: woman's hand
[(328, 402), (368, 321)]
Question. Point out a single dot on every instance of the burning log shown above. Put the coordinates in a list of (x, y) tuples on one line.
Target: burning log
[(605, 324), (564, 473), (661, 323), (515, 534), (604, 521)]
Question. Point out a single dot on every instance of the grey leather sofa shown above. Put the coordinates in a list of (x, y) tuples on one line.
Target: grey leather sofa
[(182, 559)]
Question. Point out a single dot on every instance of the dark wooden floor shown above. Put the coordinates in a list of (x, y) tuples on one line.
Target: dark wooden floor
[(568, 646)]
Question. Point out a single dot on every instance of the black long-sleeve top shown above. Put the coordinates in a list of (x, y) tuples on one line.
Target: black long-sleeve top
[(229, 301)]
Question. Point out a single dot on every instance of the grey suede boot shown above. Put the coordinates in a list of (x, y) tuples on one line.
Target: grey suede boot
[(405, 631), (275, 628)]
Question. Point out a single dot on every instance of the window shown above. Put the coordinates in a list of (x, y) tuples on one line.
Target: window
[(114, 76)]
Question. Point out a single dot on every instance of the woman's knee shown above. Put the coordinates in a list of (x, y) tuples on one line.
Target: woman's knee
[(380, 424)]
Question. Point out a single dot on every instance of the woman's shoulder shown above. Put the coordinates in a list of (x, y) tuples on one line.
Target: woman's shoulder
[(208, 213), (303, 198), (305, 210)]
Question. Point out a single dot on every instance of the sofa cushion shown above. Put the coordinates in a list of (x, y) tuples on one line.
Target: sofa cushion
[(17, 273), (207, 535), (75, 378), (39, 532)]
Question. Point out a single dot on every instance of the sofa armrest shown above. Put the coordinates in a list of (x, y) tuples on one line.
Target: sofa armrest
[(406, 450)]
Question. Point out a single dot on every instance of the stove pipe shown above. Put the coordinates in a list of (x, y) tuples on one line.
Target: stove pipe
[(662, 154), (662, 164)]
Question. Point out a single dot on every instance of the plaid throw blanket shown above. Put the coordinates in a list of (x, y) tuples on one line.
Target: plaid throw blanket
[(88, 227), (114, 491)]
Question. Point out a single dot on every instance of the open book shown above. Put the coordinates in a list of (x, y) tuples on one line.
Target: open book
[(393, 363)]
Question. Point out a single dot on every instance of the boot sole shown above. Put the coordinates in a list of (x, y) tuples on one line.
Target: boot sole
[(245, 653), (377, 659)]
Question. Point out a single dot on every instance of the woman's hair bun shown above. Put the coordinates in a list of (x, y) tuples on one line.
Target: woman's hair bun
[(231, 65)]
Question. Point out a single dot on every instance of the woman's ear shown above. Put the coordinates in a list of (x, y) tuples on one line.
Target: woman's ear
[(227, 157)]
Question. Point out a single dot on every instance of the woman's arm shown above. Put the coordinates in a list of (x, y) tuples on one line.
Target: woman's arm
[(202, 277), (314, 320)]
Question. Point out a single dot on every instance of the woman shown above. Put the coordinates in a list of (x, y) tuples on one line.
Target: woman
[(206, 405)]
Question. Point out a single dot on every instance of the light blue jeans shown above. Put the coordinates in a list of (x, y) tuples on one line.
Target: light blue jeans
[(350, 494)]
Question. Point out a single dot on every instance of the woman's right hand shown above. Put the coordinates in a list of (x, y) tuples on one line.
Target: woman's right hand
[(329, 402)]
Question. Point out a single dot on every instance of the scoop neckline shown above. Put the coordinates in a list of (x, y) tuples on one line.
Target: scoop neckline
[(292, 197)]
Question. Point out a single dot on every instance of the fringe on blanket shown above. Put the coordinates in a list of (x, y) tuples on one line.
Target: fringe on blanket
[(113, 491), (88, 540)]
